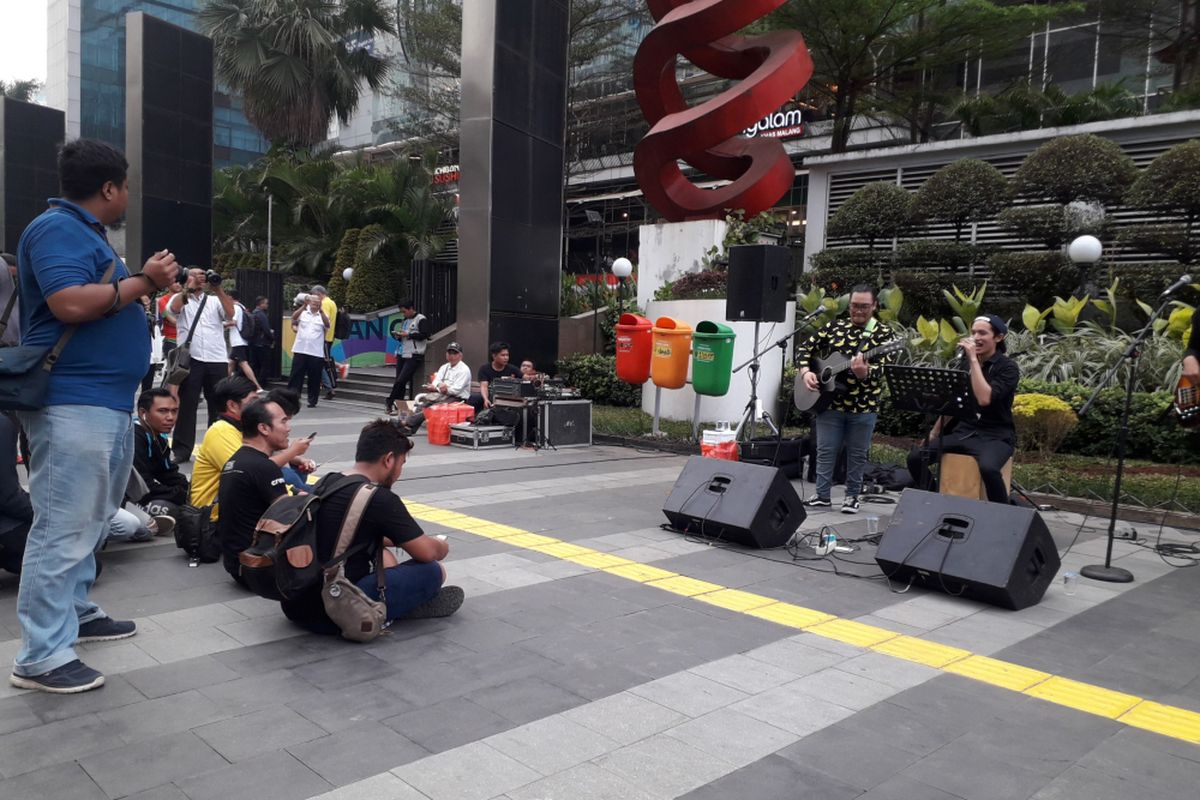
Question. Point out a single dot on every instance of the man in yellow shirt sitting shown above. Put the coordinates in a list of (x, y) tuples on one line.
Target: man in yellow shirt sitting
[(224, 438)]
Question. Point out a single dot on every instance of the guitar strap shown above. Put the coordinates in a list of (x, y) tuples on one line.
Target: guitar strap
[(864, 341)]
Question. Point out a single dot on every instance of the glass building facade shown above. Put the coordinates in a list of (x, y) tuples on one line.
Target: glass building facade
[(102, 79)]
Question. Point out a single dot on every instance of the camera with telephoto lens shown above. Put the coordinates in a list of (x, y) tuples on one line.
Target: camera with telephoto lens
[(213, 277)]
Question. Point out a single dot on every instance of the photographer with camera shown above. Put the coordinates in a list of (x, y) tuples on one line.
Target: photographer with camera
[(200, 317)]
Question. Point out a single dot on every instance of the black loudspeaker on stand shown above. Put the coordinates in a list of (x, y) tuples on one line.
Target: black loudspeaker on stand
[(758, 283), (748, 504), (997, 554)]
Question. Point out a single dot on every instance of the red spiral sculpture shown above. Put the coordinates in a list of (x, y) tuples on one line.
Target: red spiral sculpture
[(771, 68)]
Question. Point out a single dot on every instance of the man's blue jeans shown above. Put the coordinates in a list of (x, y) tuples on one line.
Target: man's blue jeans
[(833, 428), (80, 460)]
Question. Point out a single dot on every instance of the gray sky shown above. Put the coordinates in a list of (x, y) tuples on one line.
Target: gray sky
[(23, 39)]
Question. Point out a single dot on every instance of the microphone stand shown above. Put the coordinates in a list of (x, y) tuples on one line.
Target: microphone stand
[(750, 415), (1106, 571)]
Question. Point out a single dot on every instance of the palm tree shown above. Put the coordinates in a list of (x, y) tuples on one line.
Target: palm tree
[(298, 63), (20, 90)]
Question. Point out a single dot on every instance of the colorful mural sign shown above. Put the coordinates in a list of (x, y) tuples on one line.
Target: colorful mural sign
[(370, 343)]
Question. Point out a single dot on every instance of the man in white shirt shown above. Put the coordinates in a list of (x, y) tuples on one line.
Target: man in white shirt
[(204, 321), (450, 384)]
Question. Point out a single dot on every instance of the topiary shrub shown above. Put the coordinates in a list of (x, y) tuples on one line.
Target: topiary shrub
[(1146, 280), (962, 192), (596, 378), (1034, 278), (346, 255), (877, 211), (1082, 167), (923, 291), (375, 281), (710, 284), (1043, 422), (937, 254), (1047, 225), (836, 271), (1171, 183)]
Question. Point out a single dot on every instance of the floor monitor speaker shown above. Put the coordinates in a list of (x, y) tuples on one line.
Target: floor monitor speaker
[(749, 504), (997, 554), (758, 283)]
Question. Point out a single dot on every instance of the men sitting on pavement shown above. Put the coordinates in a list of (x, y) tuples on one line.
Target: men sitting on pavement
[(224, 438), (415, 587), (450, 384), (166, 486), (251, 479), (498, 367)]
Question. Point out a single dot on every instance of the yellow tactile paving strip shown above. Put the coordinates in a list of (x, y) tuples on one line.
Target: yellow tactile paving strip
[(1138, 712)]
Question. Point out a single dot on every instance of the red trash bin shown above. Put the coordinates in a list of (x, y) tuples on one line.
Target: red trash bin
[(634, 348)]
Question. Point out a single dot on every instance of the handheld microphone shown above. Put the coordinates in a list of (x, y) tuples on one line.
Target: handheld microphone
[(1177, 285)]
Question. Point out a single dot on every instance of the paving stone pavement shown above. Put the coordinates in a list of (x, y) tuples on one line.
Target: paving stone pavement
[(560, 680)]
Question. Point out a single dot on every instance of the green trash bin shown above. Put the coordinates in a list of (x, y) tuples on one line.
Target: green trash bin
[(712, 358)]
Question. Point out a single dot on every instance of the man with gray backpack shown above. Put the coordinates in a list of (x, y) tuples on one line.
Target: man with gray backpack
[(332, 572)]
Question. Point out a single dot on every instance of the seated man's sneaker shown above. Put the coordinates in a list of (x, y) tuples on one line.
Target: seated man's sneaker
[(106, 629), (164, 525), (850, 505), (816, 501), (448, 600), (71, 678)]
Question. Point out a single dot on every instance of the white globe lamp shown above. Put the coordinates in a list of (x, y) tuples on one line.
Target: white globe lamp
[(347, 273), (1085, 250), (622, 268)]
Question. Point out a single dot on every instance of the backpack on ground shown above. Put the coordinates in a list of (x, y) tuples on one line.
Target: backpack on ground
[(196, 534), (341, 324), (281, 561), (249, 325)]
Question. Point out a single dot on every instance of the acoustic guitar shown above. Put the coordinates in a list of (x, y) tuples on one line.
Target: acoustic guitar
[(829, 381), (1187, 403)]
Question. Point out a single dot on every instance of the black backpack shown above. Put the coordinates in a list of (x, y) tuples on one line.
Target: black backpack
[(282, 561), (249, 325), (196, 534), (341, 324)]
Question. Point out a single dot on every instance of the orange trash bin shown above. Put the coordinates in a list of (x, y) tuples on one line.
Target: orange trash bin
[(440, 417), (672, 350), (633, 348)]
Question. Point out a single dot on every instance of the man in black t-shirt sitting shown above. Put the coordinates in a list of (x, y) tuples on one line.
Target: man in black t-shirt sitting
[(250, 480), (414, 587), (498, 367)]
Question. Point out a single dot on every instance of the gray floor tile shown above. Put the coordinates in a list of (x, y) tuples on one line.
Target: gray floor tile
[(144, 765), (258, 732), (525, 699), (258, 691), (732, 736), (904, 788), (775, 777), (117, 692), (745, 674), (343, 708), (357, 752), (1143, 765), (276, 776), (552, 745), (625, 717), (853, 759), (165, 715), (59, 782), (194, 673), (473, 772), (167, 791), (793, 710), (689, 693), (448, 724), (54, 743), (385, 786), (977, 778), (1079, 783), (664, 766), (581, 782)]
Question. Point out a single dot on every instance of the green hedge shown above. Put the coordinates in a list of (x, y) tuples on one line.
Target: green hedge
[(596, 379), (1154, 433), (938, 254), (1146, 280), (836, 271), (226, 263), (1030, 277)]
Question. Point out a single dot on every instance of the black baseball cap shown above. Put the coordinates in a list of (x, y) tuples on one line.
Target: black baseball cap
[(455, 346)]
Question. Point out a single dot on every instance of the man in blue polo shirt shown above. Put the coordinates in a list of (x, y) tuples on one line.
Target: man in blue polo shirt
[(81, 443)]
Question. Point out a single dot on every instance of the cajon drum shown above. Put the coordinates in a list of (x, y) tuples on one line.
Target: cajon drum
[(958, 475)]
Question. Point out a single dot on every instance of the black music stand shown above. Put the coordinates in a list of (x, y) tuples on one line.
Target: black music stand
[(933, 391)]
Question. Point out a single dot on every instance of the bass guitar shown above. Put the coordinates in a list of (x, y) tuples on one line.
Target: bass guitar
[(1187, 403), (829, 382)]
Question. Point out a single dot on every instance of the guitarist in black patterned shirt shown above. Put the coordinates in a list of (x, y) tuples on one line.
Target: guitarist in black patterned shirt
[(851, 415)]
